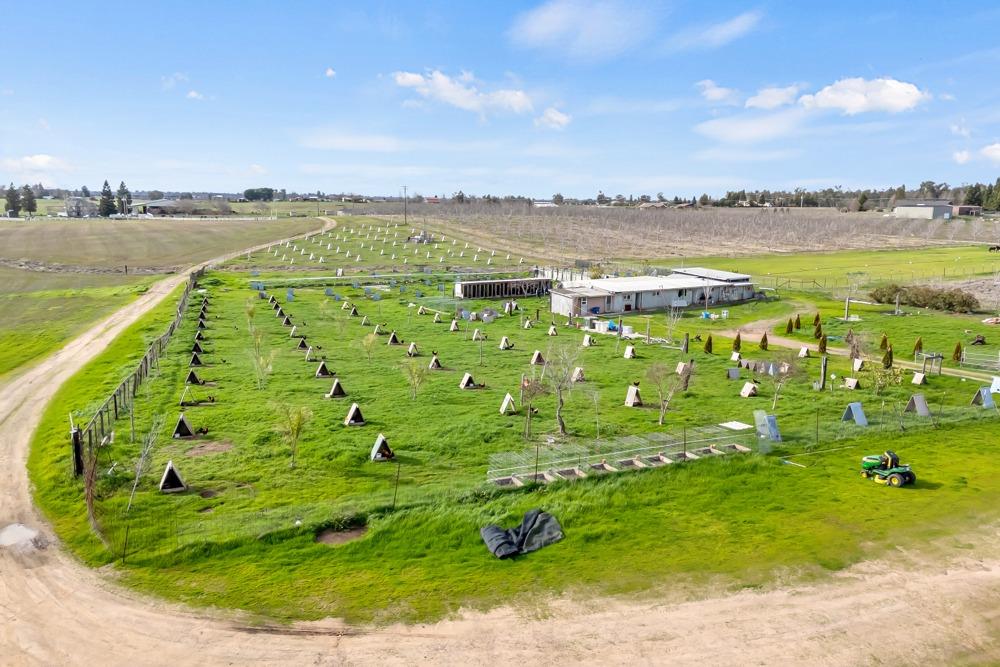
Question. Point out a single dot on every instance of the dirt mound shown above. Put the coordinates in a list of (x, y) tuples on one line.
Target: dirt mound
[(334, 537), (208, 448)]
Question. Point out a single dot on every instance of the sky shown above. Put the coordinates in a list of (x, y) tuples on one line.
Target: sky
[(533, 98)]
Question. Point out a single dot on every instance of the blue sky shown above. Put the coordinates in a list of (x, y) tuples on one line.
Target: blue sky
[(565, 96)]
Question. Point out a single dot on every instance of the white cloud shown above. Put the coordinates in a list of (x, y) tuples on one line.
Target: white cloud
[(194, 95), (39, 162), (991, 152), (582, 29), (960, 129), (715, 35), (858, 95), (961, 157), (553, 119), (257, 169), (947, 97), (330, 73), (170, 81), (752, 129), (35, 168), (462, 93), (773, 97), (716, 93)]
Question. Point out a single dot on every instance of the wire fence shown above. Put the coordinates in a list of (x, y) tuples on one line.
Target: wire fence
[(121, 399)]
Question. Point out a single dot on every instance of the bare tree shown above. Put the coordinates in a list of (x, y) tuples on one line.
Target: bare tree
[(531, 389), (144, 453), (293, 422), (673, 316), (561, 361), (666, 384), (786, 367)]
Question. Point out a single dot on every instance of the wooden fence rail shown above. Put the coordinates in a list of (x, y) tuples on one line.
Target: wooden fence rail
[(121, 399)]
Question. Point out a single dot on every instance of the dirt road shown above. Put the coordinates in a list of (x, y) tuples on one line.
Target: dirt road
[(935, 607)]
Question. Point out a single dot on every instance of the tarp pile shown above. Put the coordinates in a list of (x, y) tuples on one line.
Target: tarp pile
[(537, 530)]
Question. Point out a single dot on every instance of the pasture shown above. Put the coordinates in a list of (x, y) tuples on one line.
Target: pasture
[(245, 533), (59, 276)]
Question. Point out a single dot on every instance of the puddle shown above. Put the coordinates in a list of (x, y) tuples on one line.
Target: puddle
[(19, 535)]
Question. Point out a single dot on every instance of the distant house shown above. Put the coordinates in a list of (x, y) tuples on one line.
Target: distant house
[(80, 207), (924, 209), (544, 204), (645, 206), (966, 209), (432, 200)]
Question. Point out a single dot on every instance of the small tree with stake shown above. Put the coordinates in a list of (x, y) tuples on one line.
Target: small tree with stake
[(415, 374), (293, 422)]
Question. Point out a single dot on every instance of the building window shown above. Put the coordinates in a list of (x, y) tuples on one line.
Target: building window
[(682, 292)]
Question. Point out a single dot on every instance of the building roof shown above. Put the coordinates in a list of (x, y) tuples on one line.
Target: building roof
[(713, 274), (640, 284), (922, 202)]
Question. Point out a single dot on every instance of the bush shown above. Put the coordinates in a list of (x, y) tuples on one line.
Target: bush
[(737, 342), (763, 342), (708, 344), (822, 344), (952, 300)]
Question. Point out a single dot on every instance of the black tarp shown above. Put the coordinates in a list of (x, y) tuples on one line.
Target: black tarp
[(537, 530)]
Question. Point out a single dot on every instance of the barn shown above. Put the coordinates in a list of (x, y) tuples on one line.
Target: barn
[(683, 288)]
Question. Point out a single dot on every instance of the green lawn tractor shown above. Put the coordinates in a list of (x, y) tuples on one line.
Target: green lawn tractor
[(885, 469)]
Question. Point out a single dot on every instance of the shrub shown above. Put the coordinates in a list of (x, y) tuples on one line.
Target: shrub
[(798, 322), (708, 344), (822, 344), (816, 320), (918, 347), (763, 342), (957, 354), (818, 331), (737, 342), (884, 342), (952, 300), (789, 327), (887, 358)]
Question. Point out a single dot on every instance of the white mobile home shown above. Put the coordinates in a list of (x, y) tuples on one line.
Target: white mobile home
[(681, 289)]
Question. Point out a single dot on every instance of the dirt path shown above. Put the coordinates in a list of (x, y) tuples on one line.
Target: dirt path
[(757, 329), (938, 606)]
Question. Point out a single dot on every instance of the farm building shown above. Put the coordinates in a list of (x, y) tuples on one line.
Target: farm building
[(966, 209), (502, 289), (927, 209), (682, 288), (80, 207)]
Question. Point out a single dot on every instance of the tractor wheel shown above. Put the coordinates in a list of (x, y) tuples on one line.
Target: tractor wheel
[(910, 478), (895, 480)]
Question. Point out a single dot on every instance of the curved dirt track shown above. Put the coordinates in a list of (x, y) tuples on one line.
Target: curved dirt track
[(936, 607)]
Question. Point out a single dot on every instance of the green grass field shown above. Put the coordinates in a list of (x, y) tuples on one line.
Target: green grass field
[(42, 309), (843, 268), (243, 536)]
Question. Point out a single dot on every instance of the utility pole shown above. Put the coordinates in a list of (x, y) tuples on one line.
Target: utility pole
[(404, 206)]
